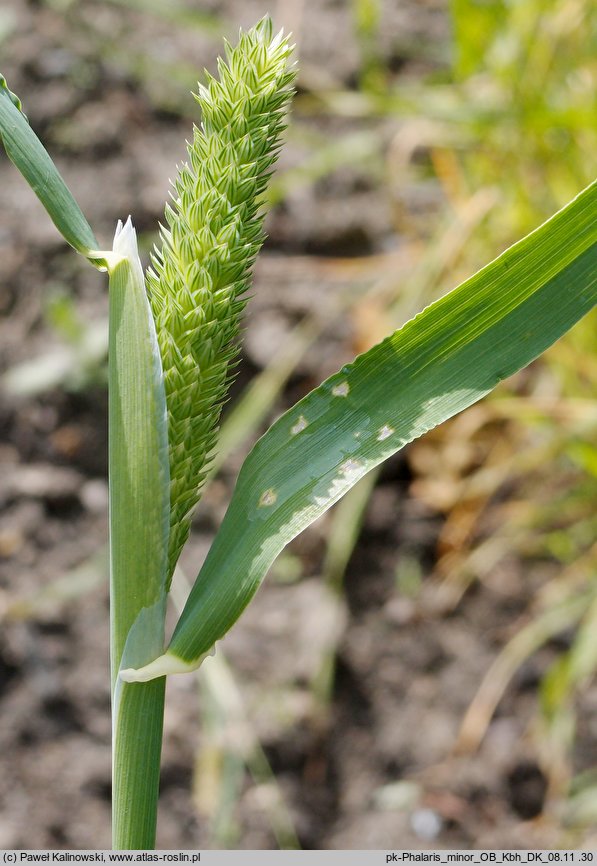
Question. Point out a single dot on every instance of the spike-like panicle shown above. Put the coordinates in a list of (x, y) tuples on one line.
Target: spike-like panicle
[(198, 280)]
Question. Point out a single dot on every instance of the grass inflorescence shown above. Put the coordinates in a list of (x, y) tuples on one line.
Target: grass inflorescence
[(198, 279)]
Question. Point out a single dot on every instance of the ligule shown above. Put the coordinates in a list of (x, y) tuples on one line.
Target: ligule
[(198, 280)]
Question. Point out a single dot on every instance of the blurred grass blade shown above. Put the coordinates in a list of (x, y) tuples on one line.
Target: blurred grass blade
[(443, 360), (527, 641), (29, 155)]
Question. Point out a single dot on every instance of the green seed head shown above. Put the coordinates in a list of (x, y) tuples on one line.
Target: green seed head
[(198, 280)]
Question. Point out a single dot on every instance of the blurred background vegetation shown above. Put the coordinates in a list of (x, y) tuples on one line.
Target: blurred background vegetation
[(425, 138)]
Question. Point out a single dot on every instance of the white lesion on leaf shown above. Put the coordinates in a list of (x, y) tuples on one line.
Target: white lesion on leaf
[(385, 432), (339, 485), (350, 466), (268, 497), (299, 426), (342, 389)]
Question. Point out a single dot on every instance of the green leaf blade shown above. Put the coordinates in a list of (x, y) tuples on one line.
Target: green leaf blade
[(28, 154), (445, 359)]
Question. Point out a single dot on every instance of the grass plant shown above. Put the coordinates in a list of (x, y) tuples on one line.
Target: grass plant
[(172, 347)]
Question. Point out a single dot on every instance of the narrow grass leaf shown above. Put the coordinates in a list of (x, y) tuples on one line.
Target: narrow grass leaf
[(443, 360), (26, 151)]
